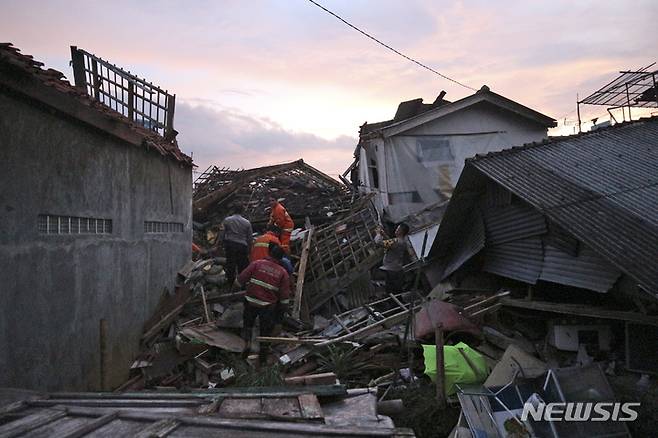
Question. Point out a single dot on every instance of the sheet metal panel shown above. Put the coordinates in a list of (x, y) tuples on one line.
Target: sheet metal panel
[(467, 247), (512, 222), (521, 259), (588, 270), (599, 186)]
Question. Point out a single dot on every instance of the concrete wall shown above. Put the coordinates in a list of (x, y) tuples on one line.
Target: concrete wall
[(55, 289)]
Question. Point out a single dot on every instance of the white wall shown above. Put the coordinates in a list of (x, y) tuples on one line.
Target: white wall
[(479, 129)]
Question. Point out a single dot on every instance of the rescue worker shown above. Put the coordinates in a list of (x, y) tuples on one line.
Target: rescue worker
[(280, 217), (394, 257), (236, 236), (267, 296), (261, 246)]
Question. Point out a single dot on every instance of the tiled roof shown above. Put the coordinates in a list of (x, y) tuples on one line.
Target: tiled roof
[(600, 186), (17, 63)]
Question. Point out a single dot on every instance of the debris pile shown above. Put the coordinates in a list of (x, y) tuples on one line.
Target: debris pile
[(482, 352), (306, 191)]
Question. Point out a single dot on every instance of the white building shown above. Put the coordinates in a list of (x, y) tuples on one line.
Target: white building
[(414, 160)]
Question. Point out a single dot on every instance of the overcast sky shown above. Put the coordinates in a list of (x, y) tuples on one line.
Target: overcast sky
[(263, 82)]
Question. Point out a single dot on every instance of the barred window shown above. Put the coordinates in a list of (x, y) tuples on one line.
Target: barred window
[(163, 227), (52, 224)]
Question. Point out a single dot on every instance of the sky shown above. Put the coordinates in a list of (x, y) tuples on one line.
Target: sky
[(265, 82)]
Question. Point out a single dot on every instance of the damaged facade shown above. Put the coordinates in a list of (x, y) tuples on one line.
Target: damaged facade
[(577, 211), (94, 222), (414, 160)]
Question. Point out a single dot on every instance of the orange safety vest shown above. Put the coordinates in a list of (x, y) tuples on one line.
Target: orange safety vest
[(281, 218), (261, 247)]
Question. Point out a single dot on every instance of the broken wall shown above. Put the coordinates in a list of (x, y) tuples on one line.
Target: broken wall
[(55, 289)]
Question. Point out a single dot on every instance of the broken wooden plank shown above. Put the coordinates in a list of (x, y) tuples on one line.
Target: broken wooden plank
[(85, 429), (30, 422), (162, 324), (581, 310), (210, 335), (312, 379), (282, 340), (205, 304), (388, 321), (299, 287), (310, 407), (159, 429)]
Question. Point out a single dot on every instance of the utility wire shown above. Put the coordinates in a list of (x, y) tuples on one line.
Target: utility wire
[(389, 47)]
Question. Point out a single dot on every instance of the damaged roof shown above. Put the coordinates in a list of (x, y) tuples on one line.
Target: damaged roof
[(21, 73), (414, 113), (600, 186), (305, 191)]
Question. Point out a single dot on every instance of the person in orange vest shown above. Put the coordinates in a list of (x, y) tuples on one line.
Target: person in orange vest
[(260, 248), (280, 217)]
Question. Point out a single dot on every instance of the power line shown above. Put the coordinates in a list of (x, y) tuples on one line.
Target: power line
[(389, 47)]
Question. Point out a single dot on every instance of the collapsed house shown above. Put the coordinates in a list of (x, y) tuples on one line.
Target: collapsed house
[(577, 211), (414, 160), (306, 192), (569, 223), (95, 219), (336, 248)]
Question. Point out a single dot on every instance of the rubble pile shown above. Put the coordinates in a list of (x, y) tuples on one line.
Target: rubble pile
[(483, 351), (306, 192)]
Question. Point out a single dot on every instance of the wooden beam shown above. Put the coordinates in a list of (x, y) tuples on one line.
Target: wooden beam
[(581, 310), (299, 287), (391, 320), (440, 369), (86, 428)]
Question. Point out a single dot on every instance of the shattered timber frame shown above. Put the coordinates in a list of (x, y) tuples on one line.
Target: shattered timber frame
[(217, 187), (341, 252), (631, 89)]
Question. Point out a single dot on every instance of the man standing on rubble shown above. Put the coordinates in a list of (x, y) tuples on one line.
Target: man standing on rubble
[(237, 235), (280, 217), (394, 257), (267, 295)]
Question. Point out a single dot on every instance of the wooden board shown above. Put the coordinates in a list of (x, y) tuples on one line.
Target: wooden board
[(303, 407)]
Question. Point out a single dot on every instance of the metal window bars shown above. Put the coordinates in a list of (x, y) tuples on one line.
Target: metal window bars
[(142, 102)]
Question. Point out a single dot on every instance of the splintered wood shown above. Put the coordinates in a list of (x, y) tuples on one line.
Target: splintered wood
[(306, 192)]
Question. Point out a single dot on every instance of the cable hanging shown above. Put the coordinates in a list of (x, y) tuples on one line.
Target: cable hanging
[(397, 52)]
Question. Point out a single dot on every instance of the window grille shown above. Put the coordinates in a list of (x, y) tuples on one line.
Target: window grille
[(52, 224), (163, 227)]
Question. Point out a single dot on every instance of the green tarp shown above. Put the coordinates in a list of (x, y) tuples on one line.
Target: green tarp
[(457, 368)]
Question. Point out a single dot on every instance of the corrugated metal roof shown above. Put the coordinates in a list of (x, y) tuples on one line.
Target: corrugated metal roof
[(471, 244), (512, 222), (601, 186), (521, 259), (587, 270)]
